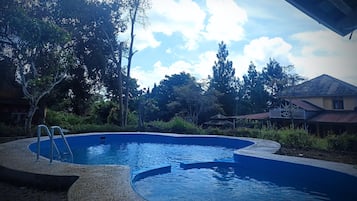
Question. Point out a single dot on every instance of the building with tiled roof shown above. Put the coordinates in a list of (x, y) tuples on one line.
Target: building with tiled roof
[(321, 104)]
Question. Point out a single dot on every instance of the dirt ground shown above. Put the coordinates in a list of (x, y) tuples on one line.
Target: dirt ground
[(342, 157)]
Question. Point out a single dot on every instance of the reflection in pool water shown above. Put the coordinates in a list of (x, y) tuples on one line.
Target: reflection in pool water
[(218, 183)]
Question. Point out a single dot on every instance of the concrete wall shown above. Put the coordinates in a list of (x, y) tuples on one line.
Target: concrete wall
[(349, 103)]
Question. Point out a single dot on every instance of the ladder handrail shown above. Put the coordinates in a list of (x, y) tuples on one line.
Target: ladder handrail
[(52, 143), (53, 129)]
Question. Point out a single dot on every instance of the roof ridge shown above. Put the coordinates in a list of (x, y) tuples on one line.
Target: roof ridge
[(323, 85)]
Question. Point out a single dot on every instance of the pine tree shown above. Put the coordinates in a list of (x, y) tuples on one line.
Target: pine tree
[(224, 80), (254, 95)]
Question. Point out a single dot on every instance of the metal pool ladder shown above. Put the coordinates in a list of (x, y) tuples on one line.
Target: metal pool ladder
[(52, 142)]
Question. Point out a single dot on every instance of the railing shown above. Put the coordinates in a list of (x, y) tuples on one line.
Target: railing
[(52, 143), (287, 114), (53, 129)]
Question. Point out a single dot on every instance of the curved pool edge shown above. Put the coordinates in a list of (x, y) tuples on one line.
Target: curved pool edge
[(113, 182), (255, 152)]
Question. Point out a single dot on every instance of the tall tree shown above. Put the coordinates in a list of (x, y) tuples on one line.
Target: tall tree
[(39, 49), (255, 97), (164, 94), (94, 26), (188, 100), (137, 10), (277, 78), (224, 80)]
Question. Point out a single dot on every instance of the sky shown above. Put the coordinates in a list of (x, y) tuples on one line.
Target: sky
[(183, 36)]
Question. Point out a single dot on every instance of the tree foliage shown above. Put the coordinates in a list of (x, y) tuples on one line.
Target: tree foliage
[(254, 96), (276, 78), (39, 49), (75, 47), (224, 80)]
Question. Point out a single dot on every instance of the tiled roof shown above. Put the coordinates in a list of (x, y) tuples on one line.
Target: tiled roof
[(258, 116), (321, 86), (347, 117), (305, 105)]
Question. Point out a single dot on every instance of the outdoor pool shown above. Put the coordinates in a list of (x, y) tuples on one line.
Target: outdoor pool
[(192, 167)]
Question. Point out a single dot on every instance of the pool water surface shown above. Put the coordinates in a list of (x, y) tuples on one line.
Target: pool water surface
[(218, 183), (141, 156)]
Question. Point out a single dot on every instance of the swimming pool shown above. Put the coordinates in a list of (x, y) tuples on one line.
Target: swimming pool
[(183, 167), (143, 151)]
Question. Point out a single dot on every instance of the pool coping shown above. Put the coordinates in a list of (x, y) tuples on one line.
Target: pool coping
[(113, 182)]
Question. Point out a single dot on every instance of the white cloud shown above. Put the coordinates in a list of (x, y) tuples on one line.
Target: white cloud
[(200, 69), (263, 48), (168, 17), (183, 16), (147, 78), (259, 51), (203, 67), (324, 52), (225, 22), (168, 51), (144, 38)]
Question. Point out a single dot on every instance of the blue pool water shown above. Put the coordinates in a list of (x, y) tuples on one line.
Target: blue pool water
[(141, 151), (205, 168), (145, 155), (217, 183)]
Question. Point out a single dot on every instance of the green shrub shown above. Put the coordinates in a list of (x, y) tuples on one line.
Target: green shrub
[(179, 125), (114, 116), (344, 142), (244, 123), (295, 138), (84, 128), (102, 110), (214, 131), (133, 119), (319, 143), (63, 119), (175, 125), (245, 132), (270, 134)]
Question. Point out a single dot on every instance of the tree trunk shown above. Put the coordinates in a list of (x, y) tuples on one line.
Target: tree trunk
[(120, 77), (28, 121), (132, 20)]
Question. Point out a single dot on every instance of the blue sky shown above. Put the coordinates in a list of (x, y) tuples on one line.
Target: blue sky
[(183, 35)]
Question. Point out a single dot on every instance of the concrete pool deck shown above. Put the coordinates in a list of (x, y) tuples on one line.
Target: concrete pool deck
[(113, 182)]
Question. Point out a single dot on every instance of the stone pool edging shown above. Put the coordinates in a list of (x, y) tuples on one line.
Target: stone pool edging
[(113, 182)]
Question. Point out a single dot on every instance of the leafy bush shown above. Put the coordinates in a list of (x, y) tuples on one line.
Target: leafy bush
[(175, 125), (63, 119), (133, 119), (271, 134), (296, 138), (179, 125), (215, 131), (319, 143), (102, 111), (84, 128), (114, 116), (344, 142)]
